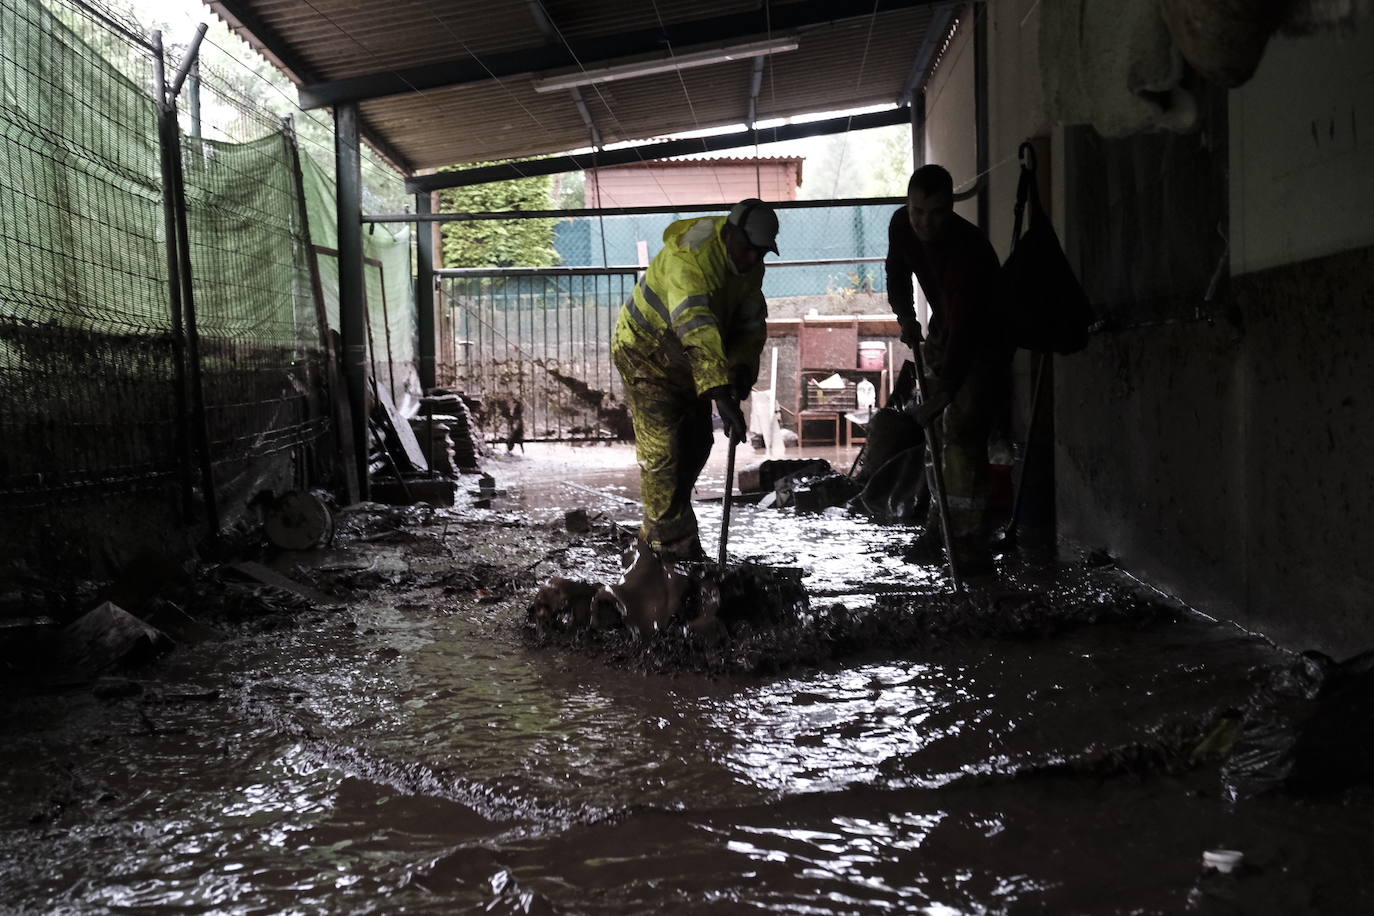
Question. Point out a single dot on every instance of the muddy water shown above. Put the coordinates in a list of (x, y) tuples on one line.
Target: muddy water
[(408, 752)]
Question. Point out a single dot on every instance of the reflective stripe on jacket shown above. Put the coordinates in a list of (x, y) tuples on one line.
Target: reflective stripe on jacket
[(689, 314)]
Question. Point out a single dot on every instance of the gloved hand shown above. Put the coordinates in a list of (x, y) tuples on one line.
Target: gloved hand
[(911, 333), (732, 417), (741, 382), (937, 398)]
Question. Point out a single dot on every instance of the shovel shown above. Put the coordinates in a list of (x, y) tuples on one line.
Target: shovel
[(937, 473), (725, 506)]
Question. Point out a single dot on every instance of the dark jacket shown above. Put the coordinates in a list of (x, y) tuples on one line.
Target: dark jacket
[(959, 276)]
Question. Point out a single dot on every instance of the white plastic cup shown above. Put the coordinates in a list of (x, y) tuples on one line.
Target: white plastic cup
[(1222, 860)]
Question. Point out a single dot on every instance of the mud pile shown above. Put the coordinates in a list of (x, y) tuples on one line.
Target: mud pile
[(756, 620)]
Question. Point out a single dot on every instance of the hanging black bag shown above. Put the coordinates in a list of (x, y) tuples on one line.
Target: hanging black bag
[(1045, 307)]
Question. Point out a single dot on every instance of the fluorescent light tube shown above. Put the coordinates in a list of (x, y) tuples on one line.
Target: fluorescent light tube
[(684, 61)]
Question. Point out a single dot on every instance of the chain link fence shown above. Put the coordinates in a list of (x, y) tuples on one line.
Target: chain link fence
[(531, 346), (831, 234)]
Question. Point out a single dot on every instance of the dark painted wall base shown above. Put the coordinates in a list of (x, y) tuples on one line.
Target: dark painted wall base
[(1229, 463)]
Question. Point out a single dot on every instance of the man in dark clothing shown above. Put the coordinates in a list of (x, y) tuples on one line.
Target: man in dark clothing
[(966, 358)]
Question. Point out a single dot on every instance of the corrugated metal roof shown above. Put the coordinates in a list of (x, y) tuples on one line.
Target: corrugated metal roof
[(848, 63)]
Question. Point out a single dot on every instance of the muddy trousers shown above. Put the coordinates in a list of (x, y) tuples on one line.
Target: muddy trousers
[(672, 442), (964, 429)]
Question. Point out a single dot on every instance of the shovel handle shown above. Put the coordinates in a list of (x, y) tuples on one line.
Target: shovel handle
[(937, 474), (725, 506)]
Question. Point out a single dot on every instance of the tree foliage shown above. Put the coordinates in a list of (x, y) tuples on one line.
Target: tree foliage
[(870, 163), (500, 243)]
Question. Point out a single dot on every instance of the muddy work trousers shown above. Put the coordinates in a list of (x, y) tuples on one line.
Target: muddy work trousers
[(964, 429), (672, 442)]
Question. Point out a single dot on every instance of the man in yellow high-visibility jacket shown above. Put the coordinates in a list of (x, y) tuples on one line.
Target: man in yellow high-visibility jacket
[(691, 333)]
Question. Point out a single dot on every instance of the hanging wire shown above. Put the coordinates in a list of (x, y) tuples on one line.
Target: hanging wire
[(375, 56), (687, 95), (609, 110), (499, 82), (601, 217), (858, 83)]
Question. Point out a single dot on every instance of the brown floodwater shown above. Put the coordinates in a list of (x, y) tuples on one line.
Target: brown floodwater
[(413, 750)]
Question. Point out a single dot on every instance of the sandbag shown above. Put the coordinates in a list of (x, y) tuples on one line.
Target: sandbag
[(889, 433), (897, 492)]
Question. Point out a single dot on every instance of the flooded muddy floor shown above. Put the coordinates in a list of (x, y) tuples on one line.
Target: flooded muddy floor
[(411, 746)]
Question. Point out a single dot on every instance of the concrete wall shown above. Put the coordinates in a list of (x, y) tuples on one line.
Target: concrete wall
[(1225, 461), (1302, 177)]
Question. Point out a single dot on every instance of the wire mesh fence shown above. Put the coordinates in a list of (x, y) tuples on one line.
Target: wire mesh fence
[(155, 286), (84, 321), (831, 234), (532, 345)]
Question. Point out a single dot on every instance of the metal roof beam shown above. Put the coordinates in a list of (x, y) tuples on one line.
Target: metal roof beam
[(662, 150), (550, 32), (592, 50), (936, 33), (569, 213), (755, 84)]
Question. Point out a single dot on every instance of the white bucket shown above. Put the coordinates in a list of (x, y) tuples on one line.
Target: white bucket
[(872, 355)]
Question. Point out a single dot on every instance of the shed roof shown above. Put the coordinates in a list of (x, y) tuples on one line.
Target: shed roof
[(445, 82)]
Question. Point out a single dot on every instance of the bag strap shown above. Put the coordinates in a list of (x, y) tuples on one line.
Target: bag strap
[(1026, 189)]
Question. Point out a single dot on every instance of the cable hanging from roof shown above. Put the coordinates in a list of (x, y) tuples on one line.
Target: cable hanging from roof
[(609, 110), (686, 94), (375, 56), (468, 51), (858, 83)]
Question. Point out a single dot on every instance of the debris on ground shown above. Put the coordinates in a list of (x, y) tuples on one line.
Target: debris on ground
[(785, 485), (253, 571), (107, 637), (577, 521), (762, 476), (897, 491), (1308, 729), (297, 520), (654, 595), (820, 493), (450, 428)]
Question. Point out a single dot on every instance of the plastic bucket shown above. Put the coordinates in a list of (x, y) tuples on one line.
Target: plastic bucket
[(872, 355)]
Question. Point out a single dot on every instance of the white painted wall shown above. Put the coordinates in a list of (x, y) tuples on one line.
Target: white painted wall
[(1016, 109), (1302, 151), (950, 121)]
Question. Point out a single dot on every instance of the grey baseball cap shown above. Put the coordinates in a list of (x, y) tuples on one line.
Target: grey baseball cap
[(759, 222)]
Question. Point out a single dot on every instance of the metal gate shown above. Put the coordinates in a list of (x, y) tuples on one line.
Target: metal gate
[(533, 346)]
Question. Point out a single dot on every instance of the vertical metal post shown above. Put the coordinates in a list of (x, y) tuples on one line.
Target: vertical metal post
[(544, 346), (193, 90), (918, 130), (183, 430), (424, 291), (980, 107), (352, 289), (329, 365), (200, 425), (586, 339)]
